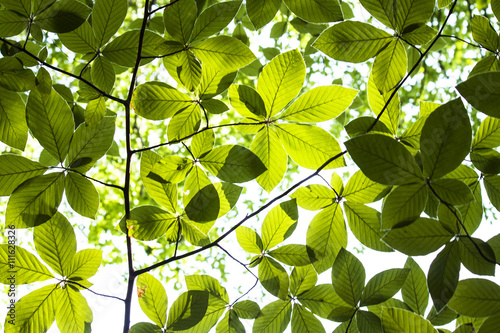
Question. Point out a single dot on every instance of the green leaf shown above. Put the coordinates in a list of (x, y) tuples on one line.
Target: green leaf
[(279, 224), (268, 148), (145, 328), (13, 126), (192, 234), (22, 7), (305, 321), (184, 123), (317, 11), (107, 17), (214, 19), (81, 40), (325, 237), (202, 143), (422, 237), (442, 278), (149, 222), (404, 205), (389, 67), (292, 255), (452, 191), (55, 242), (274, 277), (179, 19), (90, 143), (171, 169), (230, 324), (323, 301), (368, 322), (477, 256), (51, 121), (384, 160), (472, 214), (187, 310), (223, 52), (495, 7), (314, 197), (488, 134), (273, 318), (103, 74), (14, 77), (35, 201), (247, 101), (249, 240), (261, 12), (487, 64), (73, 313), (302, 279), (310, 146), (476, 298), (81, 195), (361, 189), (63, 16), (396, 320), (34, 312), (246, 309), (486, 160), (479, 90), (483, 33), (214, 81), (445, 139), (158, 101), (163, 192), (84, 264), (420, 36), (208, 283), (320, 104), (378, 102), (281, 80), (352, 41), (95, 111), (14, 170), (364, 223), (152, 298), (348, 277), (184, 68), (492, 186), (123, 49), (203, 202), (414, 291), (232, 163), (444, 3), (18, 266), (11, 23), (383, 286)]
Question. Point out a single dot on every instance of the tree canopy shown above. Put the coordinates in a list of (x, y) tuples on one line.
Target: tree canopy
[(141, 134)]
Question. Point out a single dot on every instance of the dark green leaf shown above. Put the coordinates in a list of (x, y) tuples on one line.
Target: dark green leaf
[(422, 237), (483, 33), (63, 16), (231, 163), (396, 320), (11, 23), (452, 191), (486, 160), (158, 101), (247, 101), (404, 205), (480, 91), (179, 19), (477, 256), (383, 286), (476, 298), (304, 321), (81, 195), (246, 309), (149, 222), (384, 160), (414, 290), (214, 19), (261, 12), (107, 17), (443, 275), (302, 279), (323, 301), (292, 255), (318, 11), (13, 126), (274, 278)]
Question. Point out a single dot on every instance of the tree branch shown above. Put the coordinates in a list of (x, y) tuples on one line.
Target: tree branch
[(95, 293)]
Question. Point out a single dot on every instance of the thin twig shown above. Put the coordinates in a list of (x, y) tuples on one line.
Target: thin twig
[(246, 218), (178, 237), (464, 41), (451, 208), (95, 293), (163, 7), (242, 264), (62, 71), (400, 84), (89, 178)]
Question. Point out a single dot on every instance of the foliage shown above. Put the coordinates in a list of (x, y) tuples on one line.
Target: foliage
[(157, 121)]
